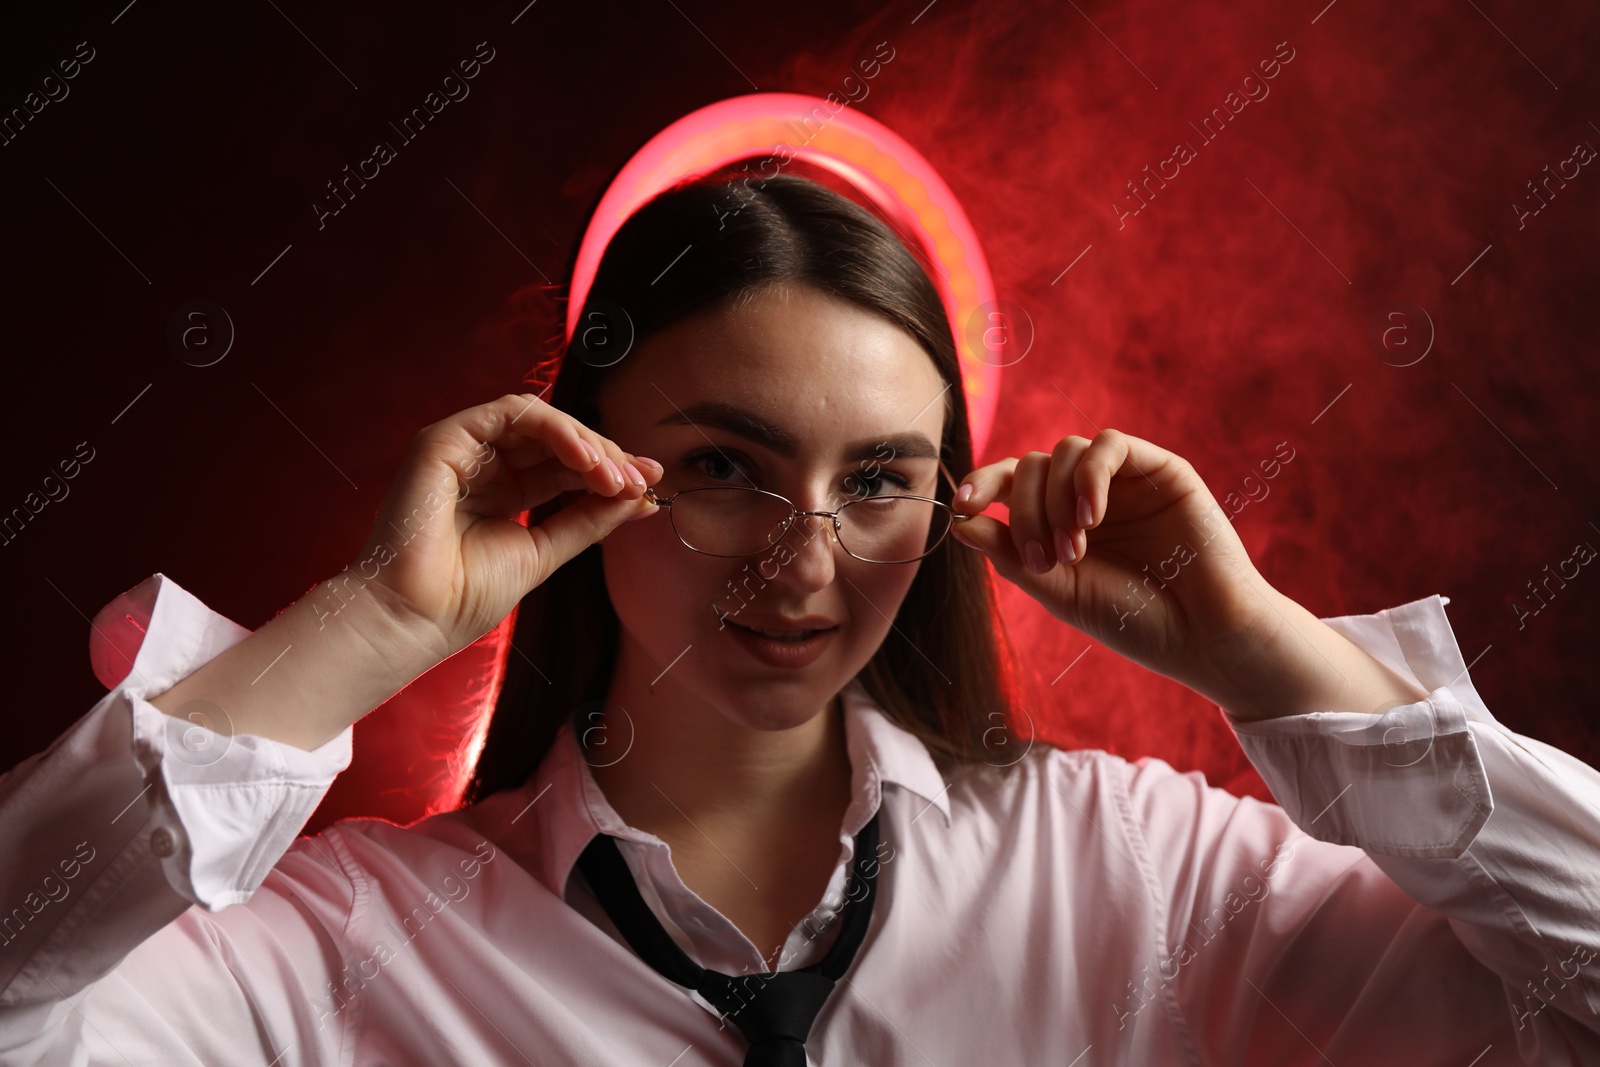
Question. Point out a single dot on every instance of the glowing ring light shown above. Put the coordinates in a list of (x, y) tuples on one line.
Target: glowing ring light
[(875, 160)]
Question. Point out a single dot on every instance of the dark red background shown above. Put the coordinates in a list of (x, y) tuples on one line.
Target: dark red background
[(1220, 321)]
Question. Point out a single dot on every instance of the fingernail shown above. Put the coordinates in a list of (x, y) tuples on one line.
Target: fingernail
[(1033, 552), (659, 469), (588, 450), (964, 492), (633, 474), (611, 467), (1085, 512), (1064, 549)]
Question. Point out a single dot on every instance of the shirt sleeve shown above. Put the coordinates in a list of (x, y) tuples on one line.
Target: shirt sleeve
[(1430, 881), (132, 817)]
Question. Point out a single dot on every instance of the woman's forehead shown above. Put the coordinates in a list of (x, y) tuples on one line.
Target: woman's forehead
[(800, 362)]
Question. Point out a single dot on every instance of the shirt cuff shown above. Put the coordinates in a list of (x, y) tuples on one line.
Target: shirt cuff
[(224, 807), (1409, 782)]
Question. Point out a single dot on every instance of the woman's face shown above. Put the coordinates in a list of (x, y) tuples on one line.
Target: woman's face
[(800, 394)]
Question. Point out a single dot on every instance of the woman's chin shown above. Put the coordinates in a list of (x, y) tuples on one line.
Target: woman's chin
[(760, 708)]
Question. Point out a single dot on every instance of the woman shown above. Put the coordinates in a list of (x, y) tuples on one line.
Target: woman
[(747, 796)]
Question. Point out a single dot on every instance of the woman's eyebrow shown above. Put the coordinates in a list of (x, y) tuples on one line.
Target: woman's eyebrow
[(753, 427)]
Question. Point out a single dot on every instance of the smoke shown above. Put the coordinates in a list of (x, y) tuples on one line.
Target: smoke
[(1308, 252)]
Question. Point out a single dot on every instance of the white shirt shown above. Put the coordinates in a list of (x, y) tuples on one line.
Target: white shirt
[(1428, 893)]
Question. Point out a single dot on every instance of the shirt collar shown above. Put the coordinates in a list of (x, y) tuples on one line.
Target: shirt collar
[(555, 815)]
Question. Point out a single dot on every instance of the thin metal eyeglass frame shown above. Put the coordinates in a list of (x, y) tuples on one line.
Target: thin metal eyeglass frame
[(794, 513)]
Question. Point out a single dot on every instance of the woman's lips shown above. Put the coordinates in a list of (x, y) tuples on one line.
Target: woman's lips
[(780, 633), (778, 652)]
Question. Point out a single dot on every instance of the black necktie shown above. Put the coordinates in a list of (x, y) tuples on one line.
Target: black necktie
[(773, 1010)]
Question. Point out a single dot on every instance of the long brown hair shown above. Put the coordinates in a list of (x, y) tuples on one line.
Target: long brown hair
[(946, 671)]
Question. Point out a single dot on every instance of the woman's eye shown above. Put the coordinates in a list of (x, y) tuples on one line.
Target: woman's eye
[(863, 484), (718, 467), (724, 467)]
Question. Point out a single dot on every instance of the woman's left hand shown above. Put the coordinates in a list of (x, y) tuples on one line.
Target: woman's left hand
[(1129, 546)]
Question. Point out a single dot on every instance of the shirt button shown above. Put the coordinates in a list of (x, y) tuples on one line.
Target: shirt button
[(161, 842)]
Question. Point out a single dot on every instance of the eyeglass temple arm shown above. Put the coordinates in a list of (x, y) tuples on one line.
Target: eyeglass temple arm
[(956, 516)]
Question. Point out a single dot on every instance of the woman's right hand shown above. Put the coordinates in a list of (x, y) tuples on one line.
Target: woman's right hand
[(450, 566)]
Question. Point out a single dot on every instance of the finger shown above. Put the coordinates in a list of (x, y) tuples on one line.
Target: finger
[(580, 447), (618, 470), (990, 484), (1105, 456), (511, 492), (610, 469), (588, 519), (1029, 525), (525, 455), (1061, 499), (538, 484), (523, 422), (532, 453), (993, 538), (1117, 455)]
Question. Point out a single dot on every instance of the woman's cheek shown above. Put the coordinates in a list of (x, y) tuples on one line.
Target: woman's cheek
[(645, 581), (872, 617)]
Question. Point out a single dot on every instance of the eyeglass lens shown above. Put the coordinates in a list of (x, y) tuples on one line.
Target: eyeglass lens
[(737, 522)]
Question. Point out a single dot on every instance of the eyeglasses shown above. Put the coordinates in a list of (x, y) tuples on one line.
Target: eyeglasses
[(737, 520)]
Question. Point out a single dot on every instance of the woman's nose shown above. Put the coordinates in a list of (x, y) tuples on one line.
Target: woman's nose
[(811, 541)]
